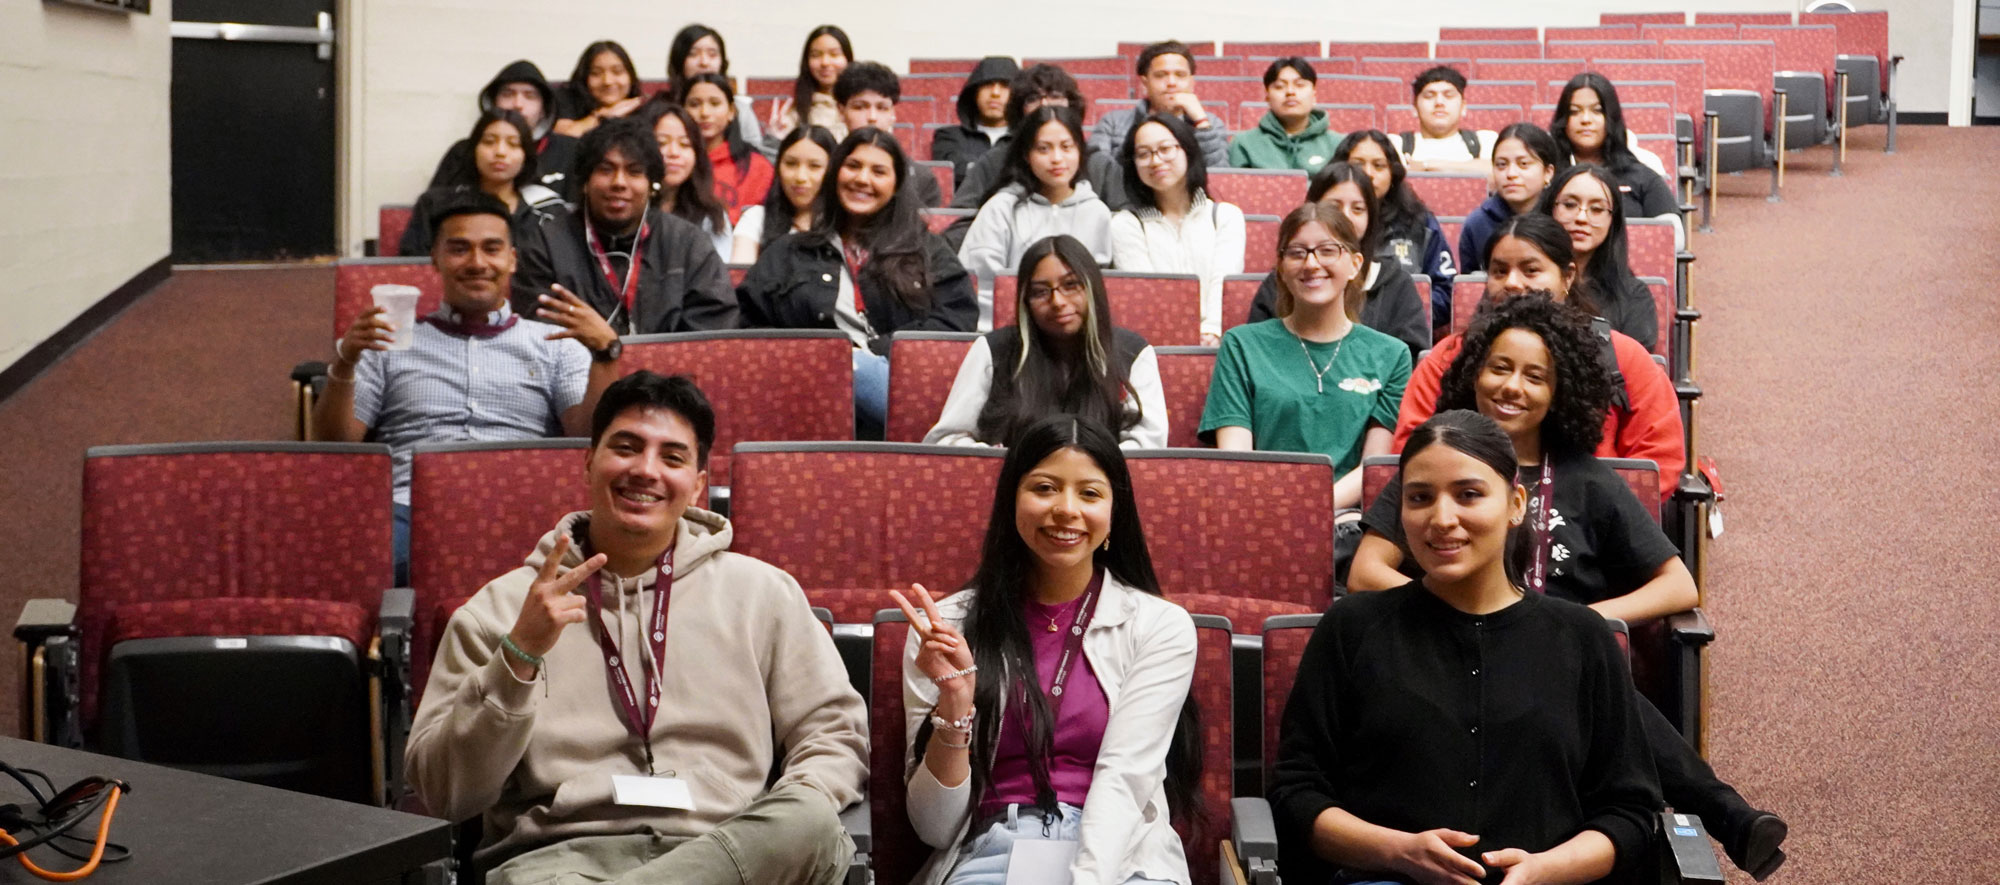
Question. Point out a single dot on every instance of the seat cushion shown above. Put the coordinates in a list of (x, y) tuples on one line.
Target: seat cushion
[(1246, 616), (241, 616)]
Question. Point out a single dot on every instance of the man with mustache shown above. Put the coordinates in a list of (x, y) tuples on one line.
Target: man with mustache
[(476, 370)]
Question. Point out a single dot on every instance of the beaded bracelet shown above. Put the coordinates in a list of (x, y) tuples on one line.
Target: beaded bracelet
[(507, 642), (940, 680), (963, 725)]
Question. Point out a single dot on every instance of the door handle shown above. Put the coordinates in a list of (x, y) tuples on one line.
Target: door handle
[(320, 36)]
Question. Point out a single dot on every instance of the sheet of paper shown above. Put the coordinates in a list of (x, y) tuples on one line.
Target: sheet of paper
[(1040, 861), (655, 792)]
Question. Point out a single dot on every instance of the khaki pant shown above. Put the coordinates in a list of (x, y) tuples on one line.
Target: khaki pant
[(789, 836)]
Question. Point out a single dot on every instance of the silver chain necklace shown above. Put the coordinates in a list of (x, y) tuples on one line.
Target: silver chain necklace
[(1319, 374)]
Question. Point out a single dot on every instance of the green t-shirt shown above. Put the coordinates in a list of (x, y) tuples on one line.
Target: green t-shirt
[(1262, 382)]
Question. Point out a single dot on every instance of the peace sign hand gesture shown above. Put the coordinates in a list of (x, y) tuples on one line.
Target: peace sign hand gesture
[(551, 606), (942, 652)]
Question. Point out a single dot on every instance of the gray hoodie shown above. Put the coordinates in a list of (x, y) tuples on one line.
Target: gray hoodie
[(1014, 219)]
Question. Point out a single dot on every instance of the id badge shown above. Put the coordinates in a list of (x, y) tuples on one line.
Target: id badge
[(1040, 861), (652, 792)]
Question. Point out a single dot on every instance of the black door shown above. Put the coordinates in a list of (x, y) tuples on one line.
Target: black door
[(253, 130)]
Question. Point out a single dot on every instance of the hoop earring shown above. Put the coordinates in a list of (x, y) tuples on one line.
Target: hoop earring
[(1107, 544)]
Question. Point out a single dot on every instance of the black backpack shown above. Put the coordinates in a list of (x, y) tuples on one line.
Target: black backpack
[(1471, 140)]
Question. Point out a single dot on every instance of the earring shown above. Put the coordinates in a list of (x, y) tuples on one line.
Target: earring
[(1107, 544)]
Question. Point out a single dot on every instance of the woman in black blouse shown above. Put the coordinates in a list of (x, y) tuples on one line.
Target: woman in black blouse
[(1460, 728)]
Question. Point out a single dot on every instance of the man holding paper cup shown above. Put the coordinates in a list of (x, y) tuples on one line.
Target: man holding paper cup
[(472, 369)]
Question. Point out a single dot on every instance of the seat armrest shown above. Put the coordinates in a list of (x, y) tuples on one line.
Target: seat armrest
[(1686, 853), (1691, 627), (1687, 314), (1687, 390), (1253, 830), (855, 820), (43, 618), (399, 609), (309, 371)]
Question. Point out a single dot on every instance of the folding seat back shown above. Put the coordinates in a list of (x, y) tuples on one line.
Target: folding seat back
[(1324, 66), (1239, 291), (353, 278), (940, 170), (922, 366), (1730, 64), (765, 384), (942, 87), (1504, 92), (1259, 191), (959, 66), (926, 136), (1214, 698), (1600, 32), (1222, 66), (1449, 193), (938, 220), (1649, 247), (1251, 113), (1279, 49), (1606, 48), (1689, 76), (1376, 473), (1477, 49), (1164, 308), (1233, 90), (1105, 87), (1802, 48), (477, 509), (1648, 118), (1859, 34), (1376, 92), (1129, 50), (1808, 56), (1284, 646), (1742, 18), (1184, 374), (783, 85), (1260, 242), (849, 514), (1450, 226), (1492, 116), (1645, 92), (921, 109), (1511, 35), (1406, 68), (1467, 290), (761, 105), (1256, 524), (1662, 290), (215, 631), (1558, 67), (1737, 74), (1348, 49), (1350, 117), (1100, 107), (1663, 33), (1100, 65), (390, 222), (737, 274), (1642, 19), (895, 853)]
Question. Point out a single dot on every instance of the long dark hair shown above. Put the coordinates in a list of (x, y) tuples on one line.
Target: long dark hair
[(1580, 392), (1481, 439), (778, 208), (895, 236), (1197, 163), (1615, 153), (1549, 238), (739, 150), (1610, 267), (1538, 142), (677, 54), (1022, 144), (804, 87), (997, 629), (1087, 380), (1401, 208), (468, 174), (578, 87), (694, 199), (1341, 172)]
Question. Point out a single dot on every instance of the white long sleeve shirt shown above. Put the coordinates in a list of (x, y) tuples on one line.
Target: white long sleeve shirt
[(958, 422), (1207, 243)]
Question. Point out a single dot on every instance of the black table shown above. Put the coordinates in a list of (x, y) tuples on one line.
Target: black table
[(193, 828)]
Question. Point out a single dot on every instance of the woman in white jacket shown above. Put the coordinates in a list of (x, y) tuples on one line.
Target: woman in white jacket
[(1172, 226), (1048, 701), (1041, 193), (1060, 354)]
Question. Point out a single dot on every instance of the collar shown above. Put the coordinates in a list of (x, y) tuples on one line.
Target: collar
[(489, 318)]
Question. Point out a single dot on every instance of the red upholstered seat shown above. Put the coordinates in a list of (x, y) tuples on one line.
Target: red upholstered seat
[(938, 220), (1642, 94), (1492, 116), (1129, 50), (1689, 76), (923, 109), (1278, 49), (1558, 67), (1596, 49), (941, 171), (737, 273), (1257, 524), (852, 605), (1375, 92), (1284, 645), (1528, 48), (1103, 88), (1449, 35), (1097, 65), (1347, 49), (922, 366), (1232, 90), (1376, 473), (1259, 191), (1742, 18), (1406, 68), (1260, 242), (1450, 226), (242, 616), (1213, 693), (1521, 93), (1165, 309), (1246, 614), (1663, 33), (1804, 48), (390, 222), (765, 384), (1648, 118), (942, 86), (1239, 291), (1351, 117), (1857, 33), (783, 85), (960, 66), (1184, 374), (1641, 19), (1449, 193), (1600, 32), (1222, 66), (1467, 290), (895, 853), (353, 278)]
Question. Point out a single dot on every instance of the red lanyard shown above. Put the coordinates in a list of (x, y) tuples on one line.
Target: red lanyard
[(630, 290), (1538, 571), (638, 723), (1073, 643), (855, 258)]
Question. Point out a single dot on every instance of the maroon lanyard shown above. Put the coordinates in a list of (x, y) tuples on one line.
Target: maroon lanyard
[(1073, 643), (638, 723), (629, 292), (855, 257), (1538, 571)]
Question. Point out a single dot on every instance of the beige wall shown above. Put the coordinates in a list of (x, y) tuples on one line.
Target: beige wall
[(83, 160), (422, 61)]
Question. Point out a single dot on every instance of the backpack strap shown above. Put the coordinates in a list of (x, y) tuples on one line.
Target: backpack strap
[(1471, 140), (1409, 140), (1607, 355)]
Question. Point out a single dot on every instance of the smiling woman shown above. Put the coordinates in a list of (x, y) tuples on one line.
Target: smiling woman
[(1045, 195)]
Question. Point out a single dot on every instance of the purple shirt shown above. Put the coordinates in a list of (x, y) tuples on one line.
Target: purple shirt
[(1079, 726)]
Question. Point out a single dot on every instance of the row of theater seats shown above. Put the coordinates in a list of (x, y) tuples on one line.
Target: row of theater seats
[(238, 535)]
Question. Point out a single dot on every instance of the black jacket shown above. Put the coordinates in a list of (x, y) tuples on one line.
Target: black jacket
[(683, 284), (554, 154), (796, 280), (964, 143), (1630, 309), (1393, 307), (526, 221)]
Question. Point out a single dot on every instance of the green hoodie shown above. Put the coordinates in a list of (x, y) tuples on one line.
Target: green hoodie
[(1269, 146)]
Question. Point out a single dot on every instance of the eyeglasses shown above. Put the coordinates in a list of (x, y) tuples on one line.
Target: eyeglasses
[(1163, 153), (1587, 210), (1325, 252), (1068, 288)]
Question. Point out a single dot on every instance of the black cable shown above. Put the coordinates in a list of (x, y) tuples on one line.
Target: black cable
[(55, 816)]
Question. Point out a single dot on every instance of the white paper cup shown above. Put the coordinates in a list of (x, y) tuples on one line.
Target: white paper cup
[(399, 305)]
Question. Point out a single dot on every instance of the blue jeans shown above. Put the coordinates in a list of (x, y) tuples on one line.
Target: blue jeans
[(400, 540), (984, 862), (871, 393)]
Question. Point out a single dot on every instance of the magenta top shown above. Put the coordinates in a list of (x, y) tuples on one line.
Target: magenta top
[(1079, 726)]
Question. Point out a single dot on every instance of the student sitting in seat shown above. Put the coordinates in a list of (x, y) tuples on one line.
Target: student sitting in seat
[(788, 207), (1061, 354), (1589, 127), (603, 86), (1172, 226), (827, 53), (1036, 87), (1293, 135), (868, 267), (1532, 253), (1390, 303), (1525, 159), (868, 93), (687, 188), (1047, 702), (1460, 728), (1583, 199), (1409, 232), (521, 88), (1045, 195), (698, 49), (982, 115), (1166, 75), (742, 175), (1439, 145), (668, 776), (1530, 363), (1312, 379), (503, 166)]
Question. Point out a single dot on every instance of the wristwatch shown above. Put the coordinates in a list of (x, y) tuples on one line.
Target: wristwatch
[(610, 353)]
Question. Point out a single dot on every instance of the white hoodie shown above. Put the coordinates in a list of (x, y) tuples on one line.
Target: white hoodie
[(1014, 219)]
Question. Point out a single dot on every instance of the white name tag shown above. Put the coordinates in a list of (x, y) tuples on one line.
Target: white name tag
[(1040, 861), (654, 792)]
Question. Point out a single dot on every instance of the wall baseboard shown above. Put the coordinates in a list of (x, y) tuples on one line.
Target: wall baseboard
[(1923, 118), (45, 355)]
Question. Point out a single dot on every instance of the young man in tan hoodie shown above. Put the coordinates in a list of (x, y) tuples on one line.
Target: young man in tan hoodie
[(636, 747)]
